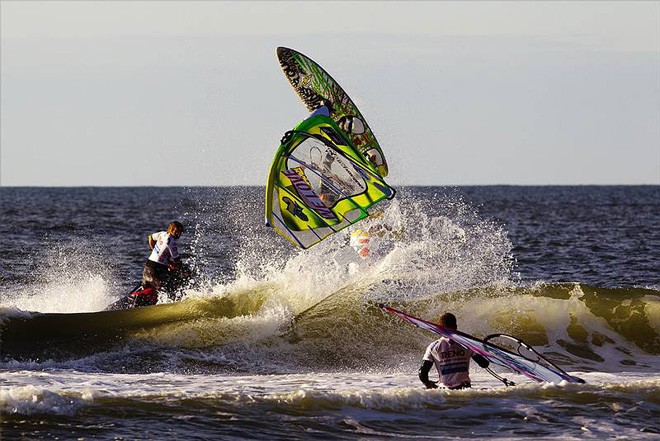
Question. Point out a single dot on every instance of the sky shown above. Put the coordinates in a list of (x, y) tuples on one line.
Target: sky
[(167, 93)]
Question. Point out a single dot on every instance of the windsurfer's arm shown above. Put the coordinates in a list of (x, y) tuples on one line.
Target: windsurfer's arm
[(175, 258), (152, 242), (424, 375), (481, 361)]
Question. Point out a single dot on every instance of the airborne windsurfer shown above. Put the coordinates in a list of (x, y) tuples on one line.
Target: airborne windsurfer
[(320, 181), (451, 359)]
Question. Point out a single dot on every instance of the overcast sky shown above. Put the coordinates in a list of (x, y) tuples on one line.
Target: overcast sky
[(190, 93)]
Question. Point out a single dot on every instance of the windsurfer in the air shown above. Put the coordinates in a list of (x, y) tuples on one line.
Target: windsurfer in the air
[(373, 238), (164, 258), (450, 359), (361, 238)]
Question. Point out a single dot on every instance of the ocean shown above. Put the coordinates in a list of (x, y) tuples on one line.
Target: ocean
[(273, 342)]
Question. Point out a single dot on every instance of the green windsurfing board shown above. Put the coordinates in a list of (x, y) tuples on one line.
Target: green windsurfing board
[(313, 84)]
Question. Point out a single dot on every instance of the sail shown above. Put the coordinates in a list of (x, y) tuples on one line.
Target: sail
[(319, 183), (540, 370), (313, 84)]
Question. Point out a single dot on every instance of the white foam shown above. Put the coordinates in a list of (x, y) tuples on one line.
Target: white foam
[(80, 293), (64, 392), (29, 400)]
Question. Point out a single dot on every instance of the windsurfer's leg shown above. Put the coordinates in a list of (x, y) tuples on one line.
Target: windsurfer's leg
[(323, 110), (153, 274)]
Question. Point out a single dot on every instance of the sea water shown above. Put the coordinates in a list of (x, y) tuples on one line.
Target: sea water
[(278, 343)]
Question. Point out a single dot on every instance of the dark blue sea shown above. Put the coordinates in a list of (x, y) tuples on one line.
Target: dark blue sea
[(273, 342)]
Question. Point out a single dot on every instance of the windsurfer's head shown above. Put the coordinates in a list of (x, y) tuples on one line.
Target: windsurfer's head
[(448, 320), (175, 229)]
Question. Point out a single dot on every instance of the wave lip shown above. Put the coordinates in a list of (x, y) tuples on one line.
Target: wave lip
[(576, 326)]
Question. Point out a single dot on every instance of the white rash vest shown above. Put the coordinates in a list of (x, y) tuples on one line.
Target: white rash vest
[(451, 360), (165, 250)]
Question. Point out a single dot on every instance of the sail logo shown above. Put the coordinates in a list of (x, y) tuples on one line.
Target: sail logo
[(304, 189)]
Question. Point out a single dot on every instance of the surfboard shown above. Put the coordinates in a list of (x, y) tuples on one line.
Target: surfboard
[(313, 84)]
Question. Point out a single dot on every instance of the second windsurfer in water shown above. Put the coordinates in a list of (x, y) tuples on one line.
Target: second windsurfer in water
[(164, 257), (450, 359), (163, 270)]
